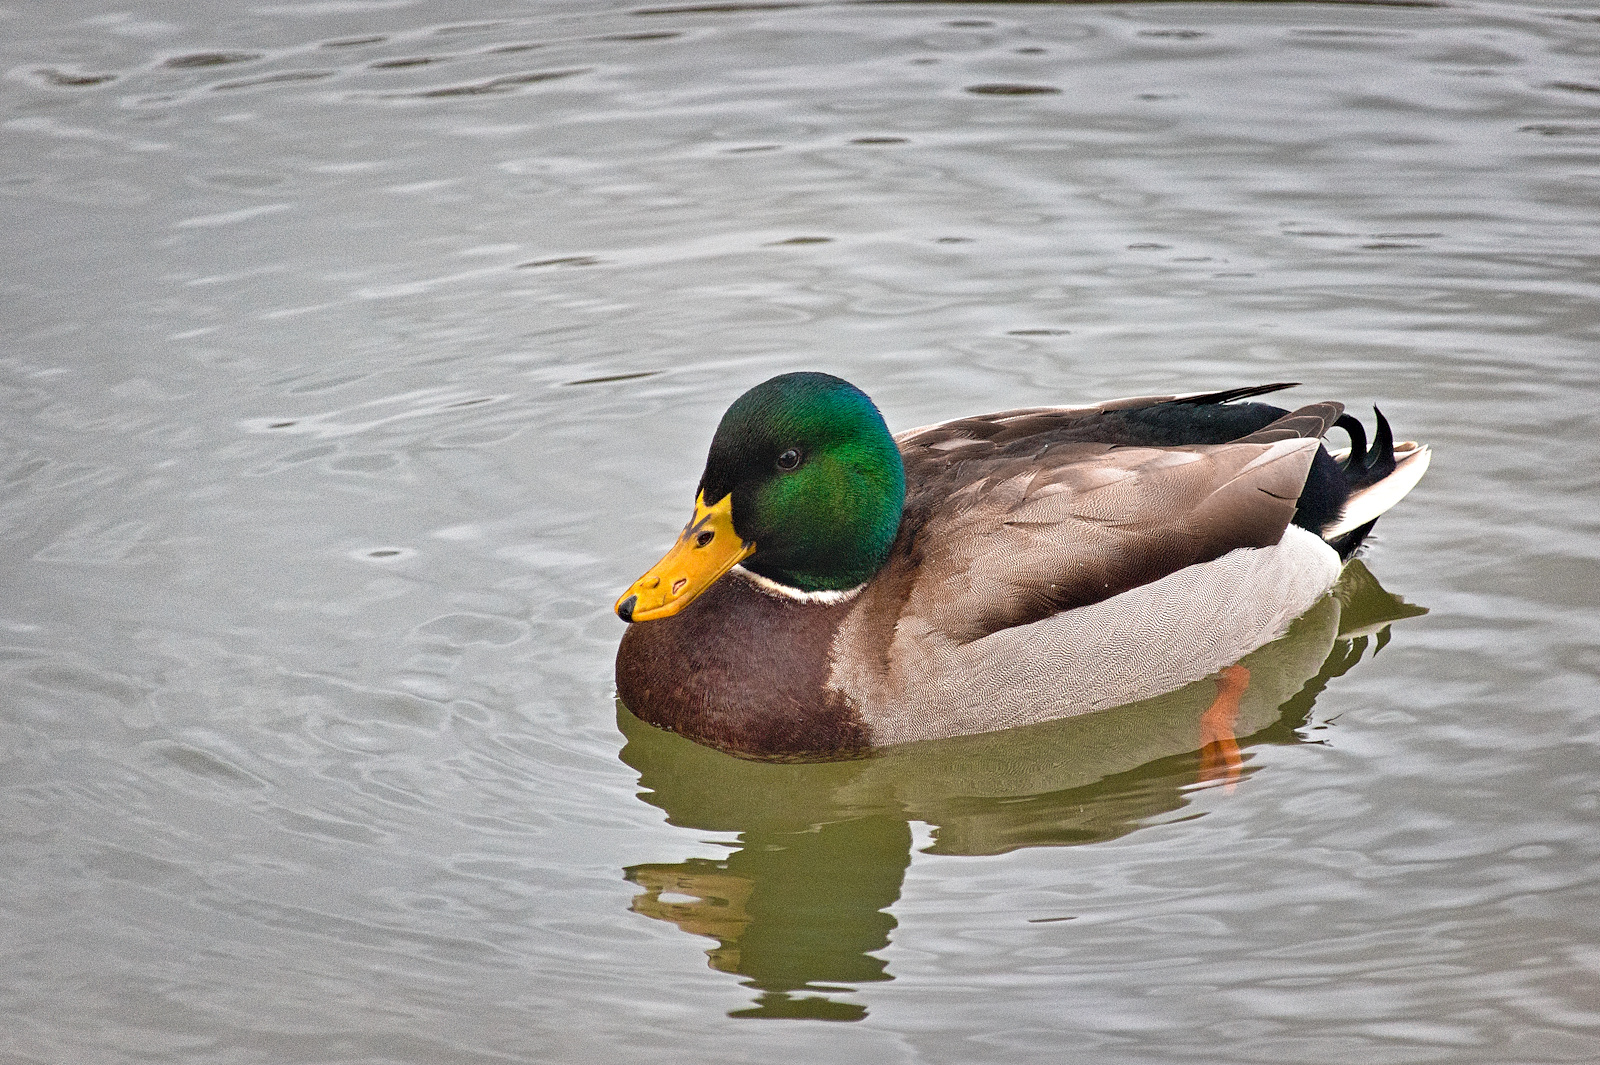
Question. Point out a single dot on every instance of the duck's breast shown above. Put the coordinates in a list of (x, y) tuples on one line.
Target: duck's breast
[(744, 671)]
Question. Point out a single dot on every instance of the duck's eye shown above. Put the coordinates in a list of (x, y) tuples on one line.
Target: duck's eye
[(704, 538), (789, 459)]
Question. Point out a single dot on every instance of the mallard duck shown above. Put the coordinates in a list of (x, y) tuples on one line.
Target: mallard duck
[(840, 589)]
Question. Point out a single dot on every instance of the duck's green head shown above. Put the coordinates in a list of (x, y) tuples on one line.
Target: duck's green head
[(803, 485)]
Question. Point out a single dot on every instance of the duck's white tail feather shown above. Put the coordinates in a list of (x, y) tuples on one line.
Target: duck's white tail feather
[(1365, 504)]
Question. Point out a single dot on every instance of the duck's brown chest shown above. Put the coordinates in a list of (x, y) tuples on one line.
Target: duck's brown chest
[(742, 671)]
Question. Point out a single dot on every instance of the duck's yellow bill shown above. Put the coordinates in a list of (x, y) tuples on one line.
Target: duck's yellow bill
[(707, 548)]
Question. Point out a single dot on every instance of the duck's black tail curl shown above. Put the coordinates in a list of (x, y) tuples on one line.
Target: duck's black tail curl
[(1332, 482), (1364, 465)]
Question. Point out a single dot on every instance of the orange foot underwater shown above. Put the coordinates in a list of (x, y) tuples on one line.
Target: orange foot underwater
[(1219, 749)]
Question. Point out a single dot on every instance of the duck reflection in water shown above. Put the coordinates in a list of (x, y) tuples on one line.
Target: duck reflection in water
[(801, 907)]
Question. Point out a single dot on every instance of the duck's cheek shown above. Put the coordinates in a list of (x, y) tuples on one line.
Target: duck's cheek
[(706, 549)]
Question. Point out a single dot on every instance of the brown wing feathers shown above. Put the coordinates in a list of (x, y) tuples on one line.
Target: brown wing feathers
[(1307, 423), (1010, 534)]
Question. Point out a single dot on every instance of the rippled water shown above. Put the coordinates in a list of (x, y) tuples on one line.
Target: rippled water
[(357, 354)]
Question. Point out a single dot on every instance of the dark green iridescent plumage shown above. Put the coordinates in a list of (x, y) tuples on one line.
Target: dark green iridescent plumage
[(826, 524)]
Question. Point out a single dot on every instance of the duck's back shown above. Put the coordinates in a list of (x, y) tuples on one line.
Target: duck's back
[(1014, 516)]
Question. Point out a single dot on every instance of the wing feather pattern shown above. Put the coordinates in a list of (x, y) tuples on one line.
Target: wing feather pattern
[(1310, 422), (1016, 539)]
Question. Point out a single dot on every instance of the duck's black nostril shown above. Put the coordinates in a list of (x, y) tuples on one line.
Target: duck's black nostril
[(625, 608)]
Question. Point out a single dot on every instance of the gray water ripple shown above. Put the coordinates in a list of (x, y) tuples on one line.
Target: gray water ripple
[(337, 414)]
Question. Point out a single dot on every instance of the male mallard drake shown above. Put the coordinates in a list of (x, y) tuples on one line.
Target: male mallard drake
[(841, 589)]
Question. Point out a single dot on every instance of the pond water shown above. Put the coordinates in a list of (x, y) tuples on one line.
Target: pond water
[(357, 354)]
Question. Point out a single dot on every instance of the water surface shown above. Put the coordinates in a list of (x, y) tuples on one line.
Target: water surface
[(356, 355)]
